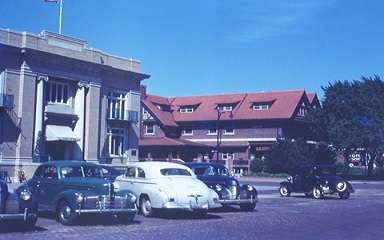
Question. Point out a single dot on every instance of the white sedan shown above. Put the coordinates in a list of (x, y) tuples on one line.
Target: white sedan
[(164, 185)]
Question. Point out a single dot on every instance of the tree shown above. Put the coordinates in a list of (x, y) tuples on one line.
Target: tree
[(287, 156), (352, 116)]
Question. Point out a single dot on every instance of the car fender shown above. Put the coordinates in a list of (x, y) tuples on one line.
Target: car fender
[(244, 188), (289, 185), (69, 197)]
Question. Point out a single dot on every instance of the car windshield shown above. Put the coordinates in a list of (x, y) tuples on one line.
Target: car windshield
[(175, 172), (211, 171), (80, 171)]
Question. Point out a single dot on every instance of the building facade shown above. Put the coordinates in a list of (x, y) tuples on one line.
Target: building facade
[(61, 99), (230, 129)]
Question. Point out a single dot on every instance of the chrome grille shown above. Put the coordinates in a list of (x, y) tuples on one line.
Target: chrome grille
[(105, 202), (233, 190)]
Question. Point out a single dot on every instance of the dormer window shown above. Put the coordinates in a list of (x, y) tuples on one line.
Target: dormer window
[(187, 109), (187, 132), (146, 115), (302, 110), (225, 108), (164, 108), (260, 107)]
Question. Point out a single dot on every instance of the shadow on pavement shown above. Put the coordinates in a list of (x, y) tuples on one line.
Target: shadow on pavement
[(232, 209), (183, 215), (13, 227)]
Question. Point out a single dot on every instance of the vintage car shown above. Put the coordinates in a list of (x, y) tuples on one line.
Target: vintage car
[(317, 181), (165, 185), (230, 192), (19, 205), (72, 188)]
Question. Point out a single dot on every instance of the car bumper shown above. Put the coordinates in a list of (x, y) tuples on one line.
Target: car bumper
[(99, 211), (190, 206), (19, 216), (238, 201)]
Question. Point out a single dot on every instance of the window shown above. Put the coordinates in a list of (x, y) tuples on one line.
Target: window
[(227, 156), (225, 108), (140, 173), (50, 172), (302, 110), (260, 107), (131, 172), (175, 172), (212, 131), (146, 115), (71, 171), (187, 109), (116, 105), (116, 137), (229, 131), (56, 92), (187, 132), (149, 129)]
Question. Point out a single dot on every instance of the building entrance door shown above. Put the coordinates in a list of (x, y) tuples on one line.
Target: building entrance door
[(56, 150)]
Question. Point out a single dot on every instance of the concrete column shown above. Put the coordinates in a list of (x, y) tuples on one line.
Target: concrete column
[(95, 123), (79, 107), (38, 138)]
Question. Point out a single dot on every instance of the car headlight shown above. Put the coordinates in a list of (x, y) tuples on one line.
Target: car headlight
[(233, 183), (249, 188), (218, 187), (25, 195), (341, 186), (116, 186), (133, 197), (79, 197), (289, 179)]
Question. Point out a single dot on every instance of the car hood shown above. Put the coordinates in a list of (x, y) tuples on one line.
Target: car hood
[(100, 185), (222, 180)]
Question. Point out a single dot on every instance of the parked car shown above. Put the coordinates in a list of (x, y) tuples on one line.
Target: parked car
[(165, 185), (230, 191), (19, 205), (72, 188), (110, 173), (317, 181)]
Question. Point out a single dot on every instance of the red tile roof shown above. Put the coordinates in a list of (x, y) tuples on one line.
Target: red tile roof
[(312, 97), (284, 104), (164, 141)]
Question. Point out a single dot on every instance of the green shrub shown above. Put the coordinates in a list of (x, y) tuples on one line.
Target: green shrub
[(257, 165)]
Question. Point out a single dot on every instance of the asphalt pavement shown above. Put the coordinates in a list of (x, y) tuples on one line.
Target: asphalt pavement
[(296, 217)]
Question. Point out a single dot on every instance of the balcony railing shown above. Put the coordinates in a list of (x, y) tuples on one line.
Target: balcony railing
[(128, 115), (6, 101), (241, 162)]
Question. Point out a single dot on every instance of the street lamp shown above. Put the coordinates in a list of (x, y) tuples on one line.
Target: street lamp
[(218, 140)]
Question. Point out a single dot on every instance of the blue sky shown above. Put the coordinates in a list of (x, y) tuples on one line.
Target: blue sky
[(222, 46)]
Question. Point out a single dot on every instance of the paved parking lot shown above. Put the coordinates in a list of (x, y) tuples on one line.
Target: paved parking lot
[(361, 217)]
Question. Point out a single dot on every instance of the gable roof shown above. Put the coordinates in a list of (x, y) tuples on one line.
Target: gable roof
[(283, 105), (313, 99)]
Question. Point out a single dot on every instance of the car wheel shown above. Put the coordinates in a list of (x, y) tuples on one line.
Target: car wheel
[(126, 218), (284, 191), (247, 206), (65, 214), (200, 213), (345, 195), (316, 193), (146, 207), (30, 223)]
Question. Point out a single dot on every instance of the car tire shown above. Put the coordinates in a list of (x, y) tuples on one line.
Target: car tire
[(247, 207), (284, 191), (316, 193), (126, 218), (344, 195), (146, 207), (65, 214)]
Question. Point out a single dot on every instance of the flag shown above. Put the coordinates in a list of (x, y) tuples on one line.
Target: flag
[(50, 1)]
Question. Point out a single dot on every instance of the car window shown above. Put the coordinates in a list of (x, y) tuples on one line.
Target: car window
[(92, 171), (208, 170), (131, 172), (141, 173), (109, 172), (175, 172), (40, 171), (50, 172), (71, 171)]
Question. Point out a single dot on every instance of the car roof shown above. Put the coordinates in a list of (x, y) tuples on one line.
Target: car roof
[(68, 163), (151, 168)]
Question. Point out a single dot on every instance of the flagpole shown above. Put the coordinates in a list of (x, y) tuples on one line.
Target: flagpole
[(61, 16)]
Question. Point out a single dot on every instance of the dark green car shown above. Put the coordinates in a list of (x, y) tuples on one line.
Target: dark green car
[(72, 188)]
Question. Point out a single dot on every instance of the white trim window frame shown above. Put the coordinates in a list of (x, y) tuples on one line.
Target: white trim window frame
[(117, 103), (187, 132), (227, 156), (226, 132), (116, 141), (212, 133), (147, 115), (149, 126), (57, 93), (225, 108), (187, 109), (260, 107)]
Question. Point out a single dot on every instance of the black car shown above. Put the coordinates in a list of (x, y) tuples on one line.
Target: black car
[(20, 205), (317, 181), (230, 192)]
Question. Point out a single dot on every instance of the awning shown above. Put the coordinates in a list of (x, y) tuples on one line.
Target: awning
[(60, 133)]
